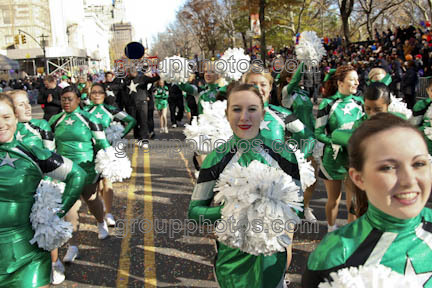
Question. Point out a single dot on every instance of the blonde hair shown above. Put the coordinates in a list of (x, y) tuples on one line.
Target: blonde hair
[(266, 75), (375, 72)]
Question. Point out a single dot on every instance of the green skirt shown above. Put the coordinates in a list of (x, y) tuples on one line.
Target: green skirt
[(161, 104)]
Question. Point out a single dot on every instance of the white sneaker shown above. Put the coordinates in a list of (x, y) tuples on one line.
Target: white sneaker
[(110, 220), (57, 273), (309, 216), (174, 126), (103, 230), (332, 228), (162, 130), (166, 130), (71, 254)]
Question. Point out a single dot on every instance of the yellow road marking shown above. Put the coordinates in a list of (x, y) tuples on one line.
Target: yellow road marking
[(149, 254), (124, 263), (187, 168)]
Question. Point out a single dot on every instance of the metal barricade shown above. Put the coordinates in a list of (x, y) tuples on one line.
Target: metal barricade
[(421, 87)]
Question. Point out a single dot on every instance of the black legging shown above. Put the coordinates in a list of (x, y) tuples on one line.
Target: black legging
[(139, 112)]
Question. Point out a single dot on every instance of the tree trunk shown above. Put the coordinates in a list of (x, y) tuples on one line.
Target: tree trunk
[(263, 43), (243, 34), (369, 26)]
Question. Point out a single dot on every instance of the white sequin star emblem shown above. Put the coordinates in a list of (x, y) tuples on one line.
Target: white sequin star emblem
[(422, 278), (110, 93), (69, 122), (132, 87), (19, 137), (348, 107), (264, 125), (8, 161), (98, 115)]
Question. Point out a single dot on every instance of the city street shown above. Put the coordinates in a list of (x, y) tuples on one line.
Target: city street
[(169, 254)]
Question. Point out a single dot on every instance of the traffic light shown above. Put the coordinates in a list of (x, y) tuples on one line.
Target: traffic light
[(23, 39), (16, 39)]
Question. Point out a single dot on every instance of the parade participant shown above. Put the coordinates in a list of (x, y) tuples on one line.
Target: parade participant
[(161, 102), (136, 101), (36, 132), (105, 115), (50, 97), (113, 88), (234, 268), (395, 183), (21, 169), (31, 131), (297, 100), (340, 109), (422, 113), (74, 133)]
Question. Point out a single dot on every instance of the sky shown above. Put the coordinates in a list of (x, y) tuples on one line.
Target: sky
[(150, 17)]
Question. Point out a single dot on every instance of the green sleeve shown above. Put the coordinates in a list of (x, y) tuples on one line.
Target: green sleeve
[(123, 117), (321, 122), (201, 210), (98, 133), (341, 137), (188, 88), (295, 80), (46, 135)]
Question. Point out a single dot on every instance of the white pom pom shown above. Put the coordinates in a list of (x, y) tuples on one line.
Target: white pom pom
[(114, 132), (307, 172), (234, 56), (371, 276), (112, 167), (50, 231), (396, 105), (310, 48), (212, 125), (254, 204), (174, 70)]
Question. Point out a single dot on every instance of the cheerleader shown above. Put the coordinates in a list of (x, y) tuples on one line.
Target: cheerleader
[(22, 167), (394, 183), (105, 115), (297, 100), (78, 136), (233, 267), (36, 132), (340, 109), (161, 103)]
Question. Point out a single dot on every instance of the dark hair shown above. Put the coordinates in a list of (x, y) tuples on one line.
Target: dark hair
[(331, 86), (4, 97), (71, 88), (245, 87), (356, 149), (100, 85), (50, 78), (377, 90), (109, 72), (286, 73)]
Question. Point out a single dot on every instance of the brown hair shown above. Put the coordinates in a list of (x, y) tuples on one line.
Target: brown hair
[(331, 86), (356, 148), (50, 78), (8, 100), (245, 87)]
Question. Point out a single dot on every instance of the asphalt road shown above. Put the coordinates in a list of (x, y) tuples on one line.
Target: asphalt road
[(150, 245)]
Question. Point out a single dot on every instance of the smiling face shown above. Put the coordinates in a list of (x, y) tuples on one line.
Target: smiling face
[(262, 83), (97, 94), (22, 107), (245, 113), (396, 178), (350, 83), (8, 122), (210, 75), (69, 101)]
